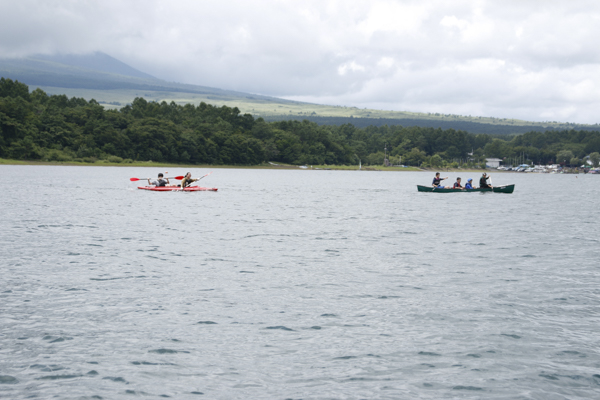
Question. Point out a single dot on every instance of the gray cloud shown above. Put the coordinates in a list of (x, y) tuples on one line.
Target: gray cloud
[(521, 59)]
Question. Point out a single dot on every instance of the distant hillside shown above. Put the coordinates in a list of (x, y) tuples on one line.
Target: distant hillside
[(115, 84), (467, 126)]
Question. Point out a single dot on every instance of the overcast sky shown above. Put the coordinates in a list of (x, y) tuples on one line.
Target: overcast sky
[(533, 60)]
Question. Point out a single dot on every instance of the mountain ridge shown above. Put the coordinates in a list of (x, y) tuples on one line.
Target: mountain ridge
[(97, 71)]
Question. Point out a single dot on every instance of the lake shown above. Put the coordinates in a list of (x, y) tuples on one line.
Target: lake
[(297, 284)]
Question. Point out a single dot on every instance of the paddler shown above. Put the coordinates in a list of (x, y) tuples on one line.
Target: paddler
[(437, 180), (483, 182), (457, 184), (160, 182), (187, 180), (469, 184)]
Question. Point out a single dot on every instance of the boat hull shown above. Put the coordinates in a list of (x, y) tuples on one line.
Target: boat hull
[(177, 189), (495, 189)]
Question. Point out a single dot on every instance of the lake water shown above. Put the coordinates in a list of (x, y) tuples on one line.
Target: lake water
[(290, 284)]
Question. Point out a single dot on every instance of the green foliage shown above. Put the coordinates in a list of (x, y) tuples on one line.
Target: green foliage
[(435, 161), (10, 88), (375, 158), (114, 159), (595, 159), (57, 155), (564, 156), (57, 128), (415, 157)]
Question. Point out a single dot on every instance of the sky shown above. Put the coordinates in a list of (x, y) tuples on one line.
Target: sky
[(531, 60)]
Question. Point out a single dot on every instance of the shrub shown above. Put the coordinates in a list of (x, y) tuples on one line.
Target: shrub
[(57, 155), (115, 159)]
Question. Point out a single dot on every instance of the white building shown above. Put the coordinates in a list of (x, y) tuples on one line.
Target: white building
[(492, 162)]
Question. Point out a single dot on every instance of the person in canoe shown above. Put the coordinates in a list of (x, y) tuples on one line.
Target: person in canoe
[(469, 184), (187, 180), (160, 182), (483, 182), (437, 182), (457, 184)]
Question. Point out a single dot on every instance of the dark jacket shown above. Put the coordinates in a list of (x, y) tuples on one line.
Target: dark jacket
[(483, 182)]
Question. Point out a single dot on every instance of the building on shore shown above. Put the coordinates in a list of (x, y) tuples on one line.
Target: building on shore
[(493, 162)]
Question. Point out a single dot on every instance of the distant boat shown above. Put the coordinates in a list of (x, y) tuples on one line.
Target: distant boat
[(495, 189)]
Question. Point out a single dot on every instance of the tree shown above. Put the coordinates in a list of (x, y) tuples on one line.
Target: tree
[(374, 158), (25, 149), (415, 157), (435, 160), (496, 148), (10, 88), (564, 156), (595, 159)]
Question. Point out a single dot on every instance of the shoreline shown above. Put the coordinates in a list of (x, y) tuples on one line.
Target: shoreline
[(270, 166), (152, 164)]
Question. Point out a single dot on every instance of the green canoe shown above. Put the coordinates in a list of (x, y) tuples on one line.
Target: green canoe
[(496, 189)]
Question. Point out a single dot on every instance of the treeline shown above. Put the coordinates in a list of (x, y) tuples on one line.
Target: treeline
[(35, 126)]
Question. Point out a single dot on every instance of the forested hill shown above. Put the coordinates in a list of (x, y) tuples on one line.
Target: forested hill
[(37, 126)]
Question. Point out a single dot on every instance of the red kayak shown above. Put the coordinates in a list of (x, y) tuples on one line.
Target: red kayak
[(178, 189)]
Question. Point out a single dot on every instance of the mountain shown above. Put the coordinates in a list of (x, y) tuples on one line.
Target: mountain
[(97, 61), (96, 71), (114, 84)]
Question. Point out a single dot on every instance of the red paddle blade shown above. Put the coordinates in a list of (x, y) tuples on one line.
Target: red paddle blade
[(134, 179), (179, 177)]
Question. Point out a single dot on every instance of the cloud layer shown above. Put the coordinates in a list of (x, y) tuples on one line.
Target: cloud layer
[(515, 59)]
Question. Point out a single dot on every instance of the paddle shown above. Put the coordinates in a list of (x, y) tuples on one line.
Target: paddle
[(145, 179), (204, 176)]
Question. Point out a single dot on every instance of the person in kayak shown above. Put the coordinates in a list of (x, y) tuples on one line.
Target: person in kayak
[(187, 180), (457, 184), (483, 182), (469, 184), (437, 180), (160, 182)]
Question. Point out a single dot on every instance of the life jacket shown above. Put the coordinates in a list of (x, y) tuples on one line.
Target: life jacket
[(161, 182), (185, 182), (457, 186)]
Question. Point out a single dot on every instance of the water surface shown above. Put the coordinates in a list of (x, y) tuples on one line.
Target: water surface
[(297, 284)]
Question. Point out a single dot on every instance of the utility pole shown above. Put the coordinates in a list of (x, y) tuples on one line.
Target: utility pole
[(386, 162)]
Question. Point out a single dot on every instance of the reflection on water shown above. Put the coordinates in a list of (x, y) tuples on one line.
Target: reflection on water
[(297, 284)]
